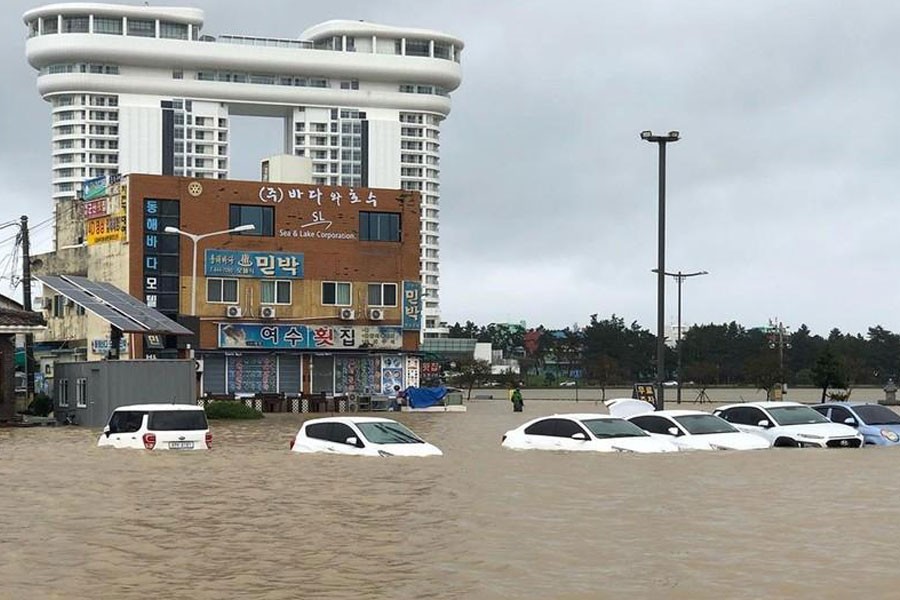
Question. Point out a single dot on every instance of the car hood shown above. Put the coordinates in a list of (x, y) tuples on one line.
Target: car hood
[(826, 430), (640, 444), (425, 449), (736, 440)]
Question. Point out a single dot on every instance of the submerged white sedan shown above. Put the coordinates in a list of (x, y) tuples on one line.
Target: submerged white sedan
[(360, 436), (583, 432)]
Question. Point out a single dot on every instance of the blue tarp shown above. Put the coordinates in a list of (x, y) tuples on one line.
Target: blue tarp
[(423, 397)]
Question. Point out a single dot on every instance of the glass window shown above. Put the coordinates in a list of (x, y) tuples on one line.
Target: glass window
[(612, 428), (875, 414), (78, 24), (388, 433), (261, 217), (50, 25), (382, 294), (177, 420), (336, 293), (379, 226), (653, 424), (840, 414), (743, 415), (81, 392), (554, 428), (318, 431), (418, 48), (33, 27), (795, 415), (174, 31), (108, 26), (275, 292), (126, 421), (340, 432), (64, 392), (141, 28), (221, 290), (705, 424)]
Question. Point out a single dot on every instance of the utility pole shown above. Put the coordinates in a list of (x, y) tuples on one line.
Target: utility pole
[(26, 306)]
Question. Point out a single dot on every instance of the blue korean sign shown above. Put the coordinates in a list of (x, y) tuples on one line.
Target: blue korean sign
[(228, 263), (412, 305), (309, 337)]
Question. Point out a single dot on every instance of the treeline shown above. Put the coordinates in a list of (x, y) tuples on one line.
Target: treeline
[(609, 352)]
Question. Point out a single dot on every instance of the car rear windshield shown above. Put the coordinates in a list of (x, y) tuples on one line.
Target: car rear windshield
[(177, 420), (388, 433), (796, 415), (613, 428), (704, 424), (875, 414)]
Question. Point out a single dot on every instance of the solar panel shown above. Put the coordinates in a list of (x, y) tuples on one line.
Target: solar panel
[(113, 305)]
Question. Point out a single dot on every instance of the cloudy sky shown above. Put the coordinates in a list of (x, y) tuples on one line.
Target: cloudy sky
[(783, 186)]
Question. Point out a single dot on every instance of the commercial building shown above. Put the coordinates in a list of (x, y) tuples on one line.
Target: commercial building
[(290, 288), (141, 89)]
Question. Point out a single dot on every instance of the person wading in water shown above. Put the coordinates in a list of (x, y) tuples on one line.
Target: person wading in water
[(516, 398)]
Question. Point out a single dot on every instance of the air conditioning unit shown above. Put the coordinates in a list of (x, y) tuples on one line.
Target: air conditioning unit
[(267, 312), (233, 311), (348, 314), (47, 302), (376, 314)]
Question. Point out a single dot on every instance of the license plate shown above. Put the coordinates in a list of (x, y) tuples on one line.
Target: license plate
[(181, 445)]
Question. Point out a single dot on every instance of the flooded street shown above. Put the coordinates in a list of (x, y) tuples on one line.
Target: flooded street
[(252, 520)]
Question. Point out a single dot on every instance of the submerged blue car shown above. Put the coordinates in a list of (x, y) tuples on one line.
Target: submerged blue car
[(879, 425)]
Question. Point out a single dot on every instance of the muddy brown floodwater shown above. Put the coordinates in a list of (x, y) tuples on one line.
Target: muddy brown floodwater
[(252, 520)]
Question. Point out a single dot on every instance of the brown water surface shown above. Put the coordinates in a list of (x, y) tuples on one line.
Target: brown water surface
[(252, 520)]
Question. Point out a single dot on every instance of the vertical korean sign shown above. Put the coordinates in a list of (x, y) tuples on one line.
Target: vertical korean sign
[(412, 305)]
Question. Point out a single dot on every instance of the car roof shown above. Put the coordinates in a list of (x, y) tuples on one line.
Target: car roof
[(677, 413), (580, 416), (849, 404), (765, 404), (153, 407), (349, 420)]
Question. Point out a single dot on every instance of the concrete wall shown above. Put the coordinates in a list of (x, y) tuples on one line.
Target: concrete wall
[(110, 384)]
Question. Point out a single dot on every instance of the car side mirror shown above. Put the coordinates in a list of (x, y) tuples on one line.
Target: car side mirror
[(764, 423), (352, 441), (579, 436), (106, 431), (850, 421), (673, 431)]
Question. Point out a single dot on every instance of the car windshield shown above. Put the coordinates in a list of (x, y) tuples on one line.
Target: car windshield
[(177, 420), (704, 424), (875, 414), (796, 415), (388, 433), (613, 428)]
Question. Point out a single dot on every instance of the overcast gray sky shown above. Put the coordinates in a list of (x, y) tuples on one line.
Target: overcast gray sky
[(783, 186)]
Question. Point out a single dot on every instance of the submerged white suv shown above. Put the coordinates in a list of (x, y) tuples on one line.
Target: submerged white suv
[(789, 424), (157, 427)]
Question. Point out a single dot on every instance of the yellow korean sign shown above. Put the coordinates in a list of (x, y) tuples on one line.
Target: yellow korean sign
[(106, 229)]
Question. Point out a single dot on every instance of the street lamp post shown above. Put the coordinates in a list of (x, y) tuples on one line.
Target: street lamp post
[(680, 277), (661, 141), (194, 237)]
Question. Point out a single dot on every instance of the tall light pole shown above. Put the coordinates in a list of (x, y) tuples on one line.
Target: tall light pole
[(680, 277), (661, 141), (194, 237)]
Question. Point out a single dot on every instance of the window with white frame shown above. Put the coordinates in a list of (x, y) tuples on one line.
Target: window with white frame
[(64, 392), (273, 291), (336, 293), (81, 392), (221, 290), (382, 294)]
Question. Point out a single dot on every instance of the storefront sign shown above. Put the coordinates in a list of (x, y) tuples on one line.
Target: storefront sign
[(227, 263), (106, 229), (96, 208), (309, 337), (412, 305), (98, 187), (101, 346)]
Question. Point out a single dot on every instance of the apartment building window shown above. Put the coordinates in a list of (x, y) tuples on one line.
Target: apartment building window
[(81, 392), (221, 290), (141, 28), (418, 48), (75, 24), (50, 25), (107, 26), (173, 31), (379, 226), (262, 217), (336, 293), (274, 291), (382, 294), (64, 392)]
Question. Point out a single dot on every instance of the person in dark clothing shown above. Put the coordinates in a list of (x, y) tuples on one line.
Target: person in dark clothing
[(517, 402)]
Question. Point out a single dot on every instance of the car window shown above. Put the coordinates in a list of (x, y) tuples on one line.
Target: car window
[(177, 420), (653, 424), (388, 433), (340, 432), (555, 428), (839, 414), (318, 431), (613, 428), (875, 414), (126, 421), (744, 415), (822, 410), (705, 424)]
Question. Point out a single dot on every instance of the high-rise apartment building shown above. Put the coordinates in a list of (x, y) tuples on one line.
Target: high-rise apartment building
[(140, 89)]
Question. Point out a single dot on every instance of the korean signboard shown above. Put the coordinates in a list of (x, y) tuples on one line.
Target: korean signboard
[(98, 187), (111, 228), (227, 263), (412, 305), (309, 337)]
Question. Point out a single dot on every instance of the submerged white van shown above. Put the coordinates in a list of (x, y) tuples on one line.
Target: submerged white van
[(157, 427)]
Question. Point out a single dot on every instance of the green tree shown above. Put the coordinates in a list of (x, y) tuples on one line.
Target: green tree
[(827, 371), (763, 370), (472, 373)]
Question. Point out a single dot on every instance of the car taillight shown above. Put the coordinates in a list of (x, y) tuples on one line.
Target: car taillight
[(293, 441), (149, 441), (208, 439)]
